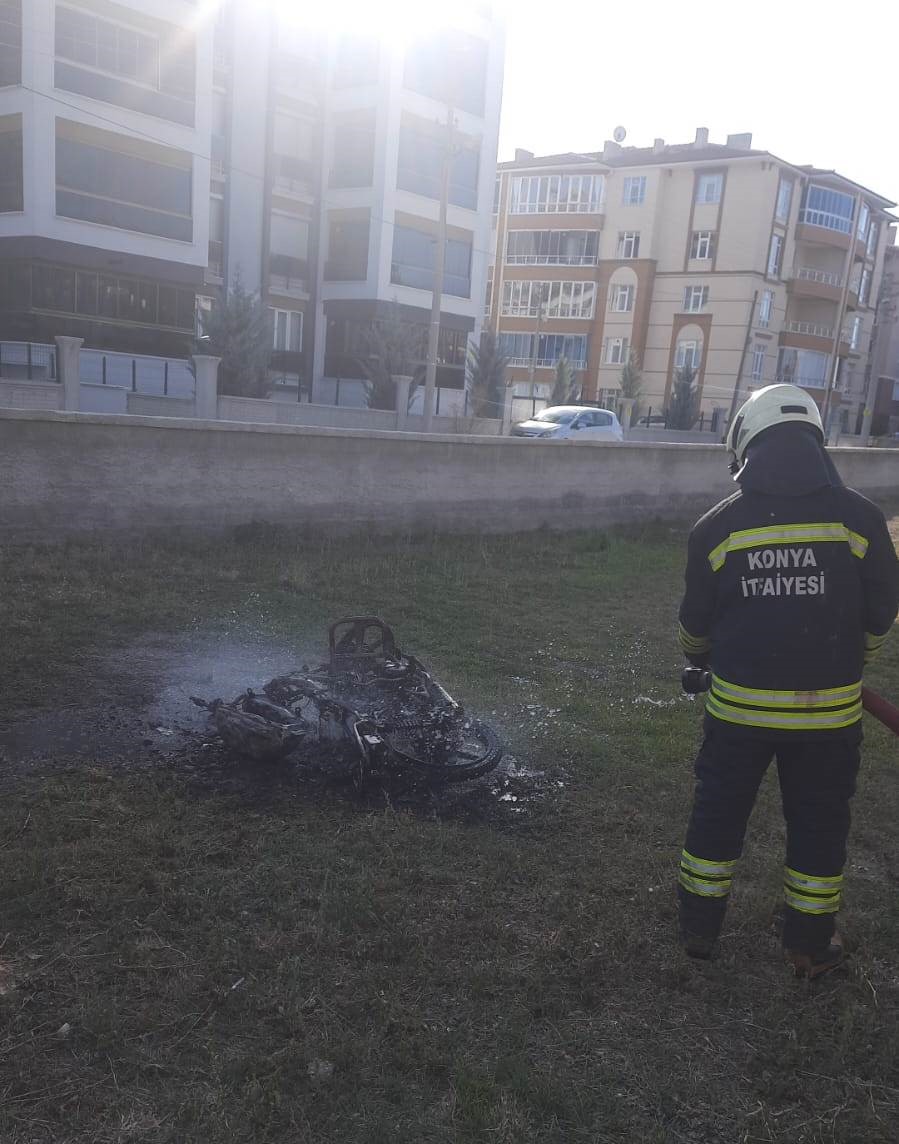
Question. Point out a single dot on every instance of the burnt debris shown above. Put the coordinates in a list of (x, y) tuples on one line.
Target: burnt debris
[(369, 709)]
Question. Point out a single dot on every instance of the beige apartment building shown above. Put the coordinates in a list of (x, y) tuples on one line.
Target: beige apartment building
[(746, 267)]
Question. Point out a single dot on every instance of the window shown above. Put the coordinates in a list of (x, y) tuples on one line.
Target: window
[(803, 367), (702, 245), (87, 40), (420, 165), (287, 330), (628, 244), (288, 247), (766, 304), (289, 235), (556, 194), (830, 209), (353, 161), (347, 251), (552, 248), (616, 351), (775, 251), (864, 287), (695, 298), (784, 199), (146, 69), (11, 185), (687, 355), (758, 363), (10, 42), (356, 62), (633, 190), (205, 306), (621, 299), (545, 350), (549, 299), (855, 332), (864, 216), (413, 261), (449, 66), (121, 182), (873, 235), (708, 188), (293, 136)]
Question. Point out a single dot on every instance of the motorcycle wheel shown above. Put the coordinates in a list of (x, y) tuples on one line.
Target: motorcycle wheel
[(477, 751)]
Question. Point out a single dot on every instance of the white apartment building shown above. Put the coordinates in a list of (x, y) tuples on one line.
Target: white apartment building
[(153, 150)]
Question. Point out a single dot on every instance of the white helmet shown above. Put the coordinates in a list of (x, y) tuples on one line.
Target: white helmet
[(773, 405)]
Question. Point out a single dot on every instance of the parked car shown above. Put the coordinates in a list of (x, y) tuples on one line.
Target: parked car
[(570, 422)]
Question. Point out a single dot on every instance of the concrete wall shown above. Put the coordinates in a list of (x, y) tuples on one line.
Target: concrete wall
[(31, 395), (77, 473)]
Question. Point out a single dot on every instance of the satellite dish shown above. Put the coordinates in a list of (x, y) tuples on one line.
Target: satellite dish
[(619, 134)]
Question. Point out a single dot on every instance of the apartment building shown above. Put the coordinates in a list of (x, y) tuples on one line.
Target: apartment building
[(721, 257), (152, 151)]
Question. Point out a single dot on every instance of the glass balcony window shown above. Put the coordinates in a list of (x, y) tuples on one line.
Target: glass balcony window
[(548, 299), (552, 248), (829, 209), (557, 194)]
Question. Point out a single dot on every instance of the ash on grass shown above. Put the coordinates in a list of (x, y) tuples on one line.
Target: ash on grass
[(187, 960)]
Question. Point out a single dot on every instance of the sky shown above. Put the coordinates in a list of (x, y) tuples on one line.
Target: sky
[(813, 82)]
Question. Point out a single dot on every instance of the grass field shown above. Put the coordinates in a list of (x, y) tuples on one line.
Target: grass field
[(179, 964)]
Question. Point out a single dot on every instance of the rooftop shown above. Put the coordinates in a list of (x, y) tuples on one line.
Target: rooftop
[(700, 150)]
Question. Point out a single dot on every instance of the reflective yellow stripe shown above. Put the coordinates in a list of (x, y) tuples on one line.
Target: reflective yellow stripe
[(703, 889), (810, 905), (694, 644), (801, 719), (701, 866), (825, 697), (807, 882), (788, 534)]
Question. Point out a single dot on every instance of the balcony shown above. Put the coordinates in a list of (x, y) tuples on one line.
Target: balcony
[(287, 276), (807, 336), (808, 282), (544, 363), (824, 228), (551, 259)]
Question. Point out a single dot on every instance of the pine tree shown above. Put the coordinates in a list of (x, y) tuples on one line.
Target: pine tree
[(682, 409), (564, 389), (238, 330), (390, 348), (486, 368), (630, 380)]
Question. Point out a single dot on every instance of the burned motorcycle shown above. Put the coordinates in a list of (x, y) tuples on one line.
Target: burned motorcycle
[(369, 709)]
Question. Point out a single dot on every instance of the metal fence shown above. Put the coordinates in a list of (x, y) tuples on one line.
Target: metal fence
[(155, 377), (27, 361)]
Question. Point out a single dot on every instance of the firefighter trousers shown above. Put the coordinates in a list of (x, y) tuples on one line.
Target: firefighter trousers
[(817, 780)]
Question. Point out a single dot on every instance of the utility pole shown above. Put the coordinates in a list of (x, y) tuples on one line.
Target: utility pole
[(884, 308), (746, 341), (826, 410), (437, 289), (535, 348)]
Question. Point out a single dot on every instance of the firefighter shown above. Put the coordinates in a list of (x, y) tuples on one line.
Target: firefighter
[(792, 585)]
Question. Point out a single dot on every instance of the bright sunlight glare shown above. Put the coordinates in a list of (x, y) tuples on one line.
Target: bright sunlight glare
[(392, 21)]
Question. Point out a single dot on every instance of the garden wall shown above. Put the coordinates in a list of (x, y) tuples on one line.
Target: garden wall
[(75, 473)]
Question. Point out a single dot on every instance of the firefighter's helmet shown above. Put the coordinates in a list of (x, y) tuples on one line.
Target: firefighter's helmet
[(773, 405)]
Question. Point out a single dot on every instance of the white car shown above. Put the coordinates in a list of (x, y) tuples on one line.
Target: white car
[(571, 422)]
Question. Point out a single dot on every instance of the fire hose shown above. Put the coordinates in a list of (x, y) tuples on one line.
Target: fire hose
[(696, 680)]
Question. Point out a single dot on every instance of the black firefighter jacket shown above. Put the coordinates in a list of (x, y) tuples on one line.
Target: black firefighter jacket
[(792, 585)]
